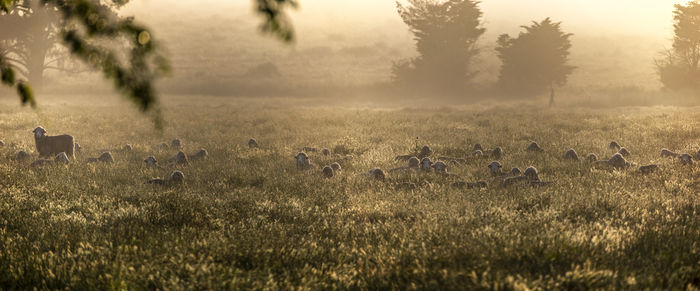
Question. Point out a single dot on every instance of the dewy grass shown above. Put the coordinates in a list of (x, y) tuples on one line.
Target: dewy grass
[(246, 218)]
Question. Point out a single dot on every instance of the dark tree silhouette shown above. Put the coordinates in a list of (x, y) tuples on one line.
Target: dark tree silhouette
[(534, 62), (125, 51), (678, 69), (446, 35)]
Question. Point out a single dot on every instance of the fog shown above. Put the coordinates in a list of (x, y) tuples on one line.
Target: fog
[(216, 48)]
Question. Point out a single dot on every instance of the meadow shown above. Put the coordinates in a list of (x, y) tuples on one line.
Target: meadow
[(249, 219)]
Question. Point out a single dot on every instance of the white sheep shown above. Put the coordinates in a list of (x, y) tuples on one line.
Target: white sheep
[(426, 164), (106, 157), (150, 162), (478, 154), (667, 153), (614, 146), (377, 174), (176, 144), (624, 152), (648, 169), (440, 167), (252, 143), (328, 172), (495, 168), (21, 156), (532, 174), (53, 145), (515, 171), (591, 158), (617, 161), (477, 147), (686, 159), (200, 155), (534, 147), (571, 155), (413, 163), (496, 153), (180, 159), (303, 162), (425, 151), (176, 178), (336, 167)]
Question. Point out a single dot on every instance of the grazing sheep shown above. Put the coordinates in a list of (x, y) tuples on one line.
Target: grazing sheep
[(477, 147), (426, 164), (200, 155), (495, 168), (327, 172), (21, 156), (667, 153), (614, 146), (470, 185), (685, 159), (176, 178), (426, 151), (336, 167), (624, 152), (571, 155), (253, 144), (534, 147), (440, 167), (176, 144), (150, 162), (617, 161), (377, 174), (52, 145), (62, 158), (648, 169), (515, 171), (78, 148), (325, 152), (496, 153), (478, 154), (106, 158), (303, 162), (591, 158), (180, 159)]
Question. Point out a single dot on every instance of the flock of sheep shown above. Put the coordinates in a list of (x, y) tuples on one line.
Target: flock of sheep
[(423, 163), (63, 148)]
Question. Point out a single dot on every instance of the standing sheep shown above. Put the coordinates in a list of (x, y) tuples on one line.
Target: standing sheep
[(52, 145)]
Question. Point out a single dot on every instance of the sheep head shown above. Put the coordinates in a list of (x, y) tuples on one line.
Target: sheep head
[(39, 132)]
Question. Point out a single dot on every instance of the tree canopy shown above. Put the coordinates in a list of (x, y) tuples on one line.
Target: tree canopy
[(124, 50), (678, 69), (446, 35), (534, 61)]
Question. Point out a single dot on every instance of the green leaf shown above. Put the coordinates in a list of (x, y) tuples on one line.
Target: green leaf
[(8, 76), (5, 5), (26, 94)]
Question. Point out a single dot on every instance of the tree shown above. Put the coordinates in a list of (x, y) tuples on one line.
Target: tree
[(123, 50), (534, 62), (446, 35), (679, 67)]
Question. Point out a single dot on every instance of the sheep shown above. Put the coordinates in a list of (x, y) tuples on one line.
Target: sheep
[(667, 153), (327, 172), (591, 158), (164, 147), (624, 152), (303, 162), (515, 171), (495, 168), (513, 180), (21, 156), (53, 145), (61, 158), (534, 147), (571, 155), (478, 153), (648, 169), (176, 144), (325, 152), (477, 147), (425, 151), (496, 153), (440, 167), (686, 159), (127, 148), (377, 174), (413, 162), (614, 146), (470, 185), (253, 144), (180, 159), (150, 162), (200, 155), (78, 148), (176, 178), (336, 167), (532, 174), (617, 161), (426, 164), (106, 157)]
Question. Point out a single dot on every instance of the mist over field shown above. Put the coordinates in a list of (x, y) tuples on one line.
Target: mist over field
[(349, 145)]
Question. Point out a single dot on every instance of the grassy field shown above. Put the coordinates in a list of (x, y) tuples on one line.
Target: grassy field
[(248, 219)]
